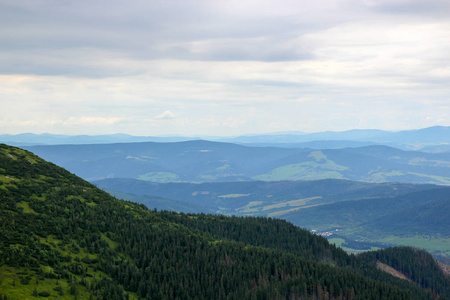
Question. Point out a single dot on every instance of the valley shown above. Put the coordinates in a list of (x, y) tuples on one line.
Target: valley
[(375, 215)]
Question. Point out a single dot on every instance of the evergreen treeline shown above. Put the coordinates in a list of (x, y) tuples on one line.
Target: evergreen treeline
[(62, 237), (280, 234)]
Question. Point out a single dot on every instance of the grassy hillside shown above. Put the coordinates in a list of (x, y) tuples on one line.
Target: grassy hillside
[(61, 237)]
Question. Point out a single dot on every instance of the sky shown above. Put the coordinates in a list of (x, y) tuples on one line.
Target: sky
[(223, 68)]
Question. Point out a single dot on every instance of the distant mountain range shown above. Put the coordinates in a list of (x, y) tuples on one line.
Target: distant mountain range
[(204, 161), (432, 139), (28, 139), (408, 138)]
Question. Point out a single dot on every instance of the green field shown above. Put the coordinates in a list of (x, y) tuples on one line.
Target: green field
[(437, 245), (433, 243), (159, 177), (234, 195)]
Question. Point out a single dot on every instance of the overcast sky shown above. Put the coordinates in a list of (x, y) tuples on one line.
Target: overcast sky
[(223, 67)]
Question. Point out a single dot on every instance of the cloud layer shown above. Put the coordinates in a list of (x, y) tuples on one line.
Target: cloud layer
[(223, 67)]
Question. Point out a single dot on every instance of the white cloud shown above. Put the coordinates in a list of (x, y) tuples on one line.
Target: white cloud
[(91, 121), (167, 115)]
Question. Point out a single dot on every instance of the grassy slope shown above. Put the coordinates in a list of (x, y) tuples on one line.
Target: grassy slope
[(29, 179)]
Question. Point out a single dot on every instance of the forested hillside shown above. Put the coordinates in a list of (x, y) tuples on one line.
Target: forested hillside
[(377, 214), (418, 266), (62, 237)]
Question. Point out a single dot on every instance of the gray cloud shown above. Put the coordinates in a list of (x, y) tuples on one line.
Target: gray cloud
[(223, 66), (191, 30), (424, 8)]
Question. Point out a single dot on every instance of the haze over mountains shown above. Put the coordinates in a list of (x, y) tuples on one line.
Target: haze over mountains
[(430, 139), (204, 161)]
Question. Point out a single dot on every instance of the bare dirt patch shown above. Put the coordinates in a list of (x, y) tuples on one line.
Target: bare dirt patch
[(391, 271), (445, 268)]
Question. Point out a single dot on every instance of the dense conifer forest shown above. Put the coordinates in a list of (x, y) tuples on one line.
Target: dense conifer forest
[(62, 237)]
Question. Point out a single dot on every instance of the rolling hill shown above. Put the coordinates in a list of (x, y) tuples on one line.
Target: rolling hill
[(203, 161), (260, 197), (62, 237)]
